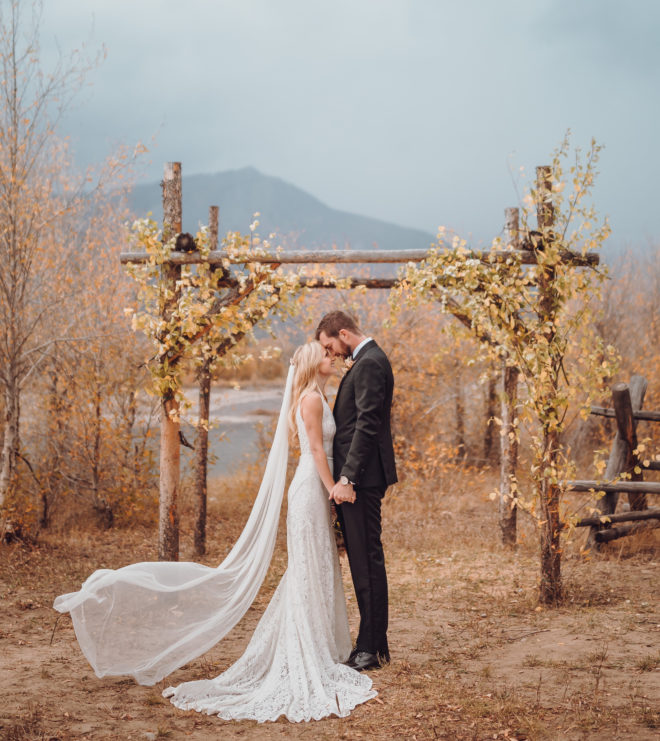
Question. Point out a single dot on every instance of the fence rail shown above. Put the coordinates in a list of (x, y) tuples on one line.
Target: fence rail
[(626, 409)]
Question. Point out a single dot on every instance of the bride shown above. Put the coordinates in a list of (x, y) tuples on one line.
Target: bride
[(148, 619)]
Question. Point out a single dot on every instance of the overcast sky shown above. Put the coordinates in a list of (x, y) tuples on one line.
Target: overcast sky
[(420, 112)]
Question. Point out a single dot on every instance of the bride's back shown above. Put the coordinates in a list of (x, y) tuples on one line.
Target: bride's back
[(327, 427)]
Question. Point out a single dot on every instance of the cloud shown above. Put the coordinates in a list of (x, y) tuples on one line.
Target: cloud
[(406, 110), (620, 37)]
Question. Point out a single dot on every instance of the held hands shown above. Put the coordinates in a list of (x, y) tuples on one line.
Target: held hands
[(343, 493)]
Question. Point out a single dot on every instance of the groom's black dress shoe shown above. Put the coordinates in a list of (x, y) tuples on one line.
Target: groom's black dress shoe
[(363, 660), (384, 656)]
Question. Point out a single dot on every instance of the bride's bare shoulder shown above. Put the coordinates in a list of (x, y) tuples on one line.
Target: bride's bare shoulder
[(311, 405)]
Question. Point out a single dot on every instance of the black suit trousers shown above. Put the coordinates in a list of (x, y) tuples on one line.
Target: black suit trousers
[(361, 526)]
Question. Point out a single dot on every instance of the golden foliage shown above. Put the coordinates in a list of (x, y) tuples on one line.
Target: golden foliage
[(539, 318), (209, 309)]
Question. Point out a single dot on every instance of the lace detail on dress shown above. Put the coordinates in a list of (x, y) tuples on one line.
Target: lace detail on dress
[(292, 664)]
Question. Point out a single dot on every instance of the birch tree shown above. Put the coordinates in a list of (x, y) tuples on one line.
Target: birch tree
[(39, 195)]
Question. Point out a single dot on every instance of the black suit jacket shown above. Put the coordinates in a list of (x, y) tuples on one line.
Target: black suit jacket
[(362, 447)]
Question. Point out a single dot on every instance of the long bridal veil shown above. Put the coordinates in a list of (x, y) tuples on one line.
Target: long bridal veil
[(148, 619)]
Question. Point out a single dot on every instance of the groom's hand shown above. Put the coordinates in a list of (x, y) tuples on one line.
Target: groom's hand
[(343, 493)]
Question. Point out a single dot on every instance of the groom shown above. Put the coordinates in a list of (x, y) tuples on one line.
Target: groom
[(364, 466)]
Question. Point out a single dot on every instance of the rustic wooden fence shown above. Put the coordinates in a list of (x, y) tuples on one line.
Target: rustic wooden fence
[(607, 524)]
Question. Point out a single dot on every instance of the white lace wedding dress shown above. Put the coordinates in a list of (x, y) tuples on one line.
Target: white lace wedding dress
[(292, 664)]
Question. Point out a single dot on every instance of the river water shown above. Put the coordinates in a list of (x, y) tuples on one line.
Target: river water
[(235, 416)]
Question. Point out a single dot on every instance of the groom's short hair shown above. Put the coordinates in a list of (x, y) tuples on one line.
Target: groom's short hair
[(335, 321)]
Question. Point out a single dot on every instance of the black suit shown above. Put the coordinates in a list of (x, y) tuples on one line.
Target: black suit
[(363, 452)]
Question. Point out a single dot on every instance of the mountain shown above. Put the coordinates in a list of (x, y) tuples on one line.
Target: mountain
[(297, 218)]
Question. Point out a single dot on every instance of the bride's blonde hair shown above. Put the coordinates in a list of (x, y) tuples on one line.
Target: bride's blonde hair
[(306, 361)]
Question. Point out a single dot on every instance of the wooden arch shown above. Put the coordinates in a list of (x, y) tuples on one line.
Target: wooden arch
[(524, 248)]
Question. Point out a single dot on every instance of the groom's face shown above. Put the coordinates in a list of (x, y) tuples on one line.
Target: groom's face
[(335, 345)]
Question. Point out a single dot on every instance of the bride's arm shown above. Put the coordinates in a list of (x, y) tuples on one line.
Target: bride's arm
[(311, 409)]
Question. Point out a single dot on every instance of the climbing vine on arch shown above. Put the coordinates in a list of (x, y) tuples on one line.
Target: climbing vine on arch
[(210, 307), (538, 318)]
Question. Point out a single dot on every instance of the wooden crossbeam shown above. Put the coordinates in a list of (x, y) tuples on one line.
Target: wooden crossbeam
[(647, 514), (628, 487), (621, 531), (528, 257), (641, 414), (289, 256), (354, 282), (310, 282)]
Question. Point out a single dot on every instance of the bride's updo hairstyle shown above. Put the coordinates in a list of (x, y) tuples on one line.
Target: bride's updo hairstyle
[(306, 361)]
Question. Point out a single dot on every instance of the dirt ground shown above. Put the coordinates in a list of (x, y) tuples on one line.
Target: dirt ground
[(473, 654)]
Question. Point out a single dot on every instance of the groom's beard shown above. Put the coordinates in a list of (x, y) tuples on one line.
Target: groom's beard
[(345, 350)]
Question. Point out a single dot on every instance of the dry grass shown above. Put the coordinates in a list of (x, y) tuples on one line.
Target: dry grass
[(474, 656)]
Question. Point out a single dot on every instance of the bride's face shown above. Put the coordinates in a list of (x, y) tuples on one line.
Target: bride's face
[(326, 367)]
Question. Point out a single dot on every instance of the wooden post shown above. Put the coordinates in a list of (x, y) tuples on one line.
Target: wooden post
[(459, 412), (626, 427), (491, 451), (508, 511), (549, 492), (512, 228), (202, 441), (621, 459), (168, 516)]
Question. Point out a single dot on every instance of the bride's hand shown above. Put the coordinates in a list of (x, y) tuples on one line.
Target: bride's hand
[(343, 493)]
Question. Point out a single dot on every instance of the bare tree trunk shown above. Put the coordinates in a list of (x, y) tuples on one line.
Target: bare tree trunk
[(56, 443), (201, 459), (44, 517), (550, 590), (202, 442), (509, 456), (52, 425), (134, 450), (96, 446), (130, 452), (508, 510), (459, 408), (101, 504), (491, 451), (168, 515), (11, 442)]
